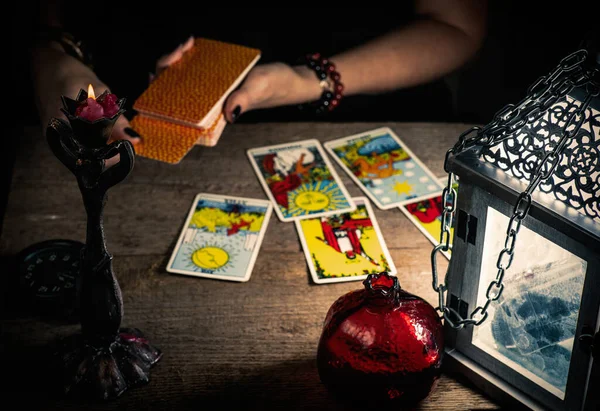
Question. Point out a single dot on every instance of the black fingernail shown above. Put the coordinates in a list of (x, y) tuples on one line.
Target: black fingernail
[(131, 132), (236, 113)]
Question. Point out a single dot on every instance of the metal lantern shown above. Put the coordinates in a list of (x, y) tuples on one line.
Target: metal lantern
[(521, 297)]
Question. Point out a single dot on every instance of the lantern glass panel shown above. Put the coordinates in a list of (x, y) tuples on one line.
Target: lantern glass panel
[(531, 327)]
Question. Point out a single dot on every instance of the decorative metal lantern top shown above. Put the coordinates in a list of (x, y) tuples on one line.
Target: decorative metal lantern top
[(576, 179)]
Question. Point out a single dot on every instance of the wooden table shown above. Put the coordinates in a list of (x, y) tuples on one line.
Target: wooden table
[(244, 344)]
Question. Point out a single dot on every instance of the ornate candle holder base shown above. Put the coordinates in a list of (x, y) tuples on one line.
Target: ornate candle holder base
[(106, 370), (105, 359)]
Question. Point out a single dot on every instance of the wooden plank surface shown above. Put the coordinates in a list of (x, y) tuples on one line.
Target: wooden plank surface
[(244, 344)]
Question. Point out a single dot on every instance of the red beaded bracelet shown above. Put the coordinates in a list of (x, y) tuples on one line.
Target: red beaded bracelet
[(329, 79)]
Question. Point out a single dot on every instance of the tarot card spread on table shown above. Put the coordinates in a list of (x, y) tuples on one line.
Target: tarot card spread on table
[(221, 237), (346, 246), (383, 167), (426, 215), (300, 180)]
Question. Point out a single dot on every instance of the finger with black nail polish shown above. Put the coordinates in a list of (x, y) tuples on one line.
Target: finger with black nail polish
[(131, 132), (235, 113)]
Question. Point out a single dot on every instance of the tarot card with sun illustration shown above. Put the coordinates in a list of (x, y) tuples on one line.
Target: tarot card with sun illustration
[(221, 237), (299, 180)]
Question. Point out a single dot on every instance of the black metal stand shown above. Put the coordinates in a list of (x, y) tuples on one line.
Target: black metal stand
[(104, 360)]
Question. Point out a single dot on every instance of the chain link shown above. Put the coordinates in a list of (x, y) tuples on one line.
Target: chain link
[(541, 95)]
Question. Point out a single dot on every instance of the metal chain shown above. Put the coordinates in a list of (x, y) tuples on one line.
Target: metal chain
[(541, 95)]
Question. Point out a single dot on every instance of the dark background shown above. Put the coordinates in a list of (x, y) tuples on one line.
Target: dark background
[(526, 39)]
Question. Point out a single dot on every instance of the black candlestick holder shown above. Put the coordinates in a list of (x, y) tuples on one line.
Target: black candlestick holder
[(104, 359)]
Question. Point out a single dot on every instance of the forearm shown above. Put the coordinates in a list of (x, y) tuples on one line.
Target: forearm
[(418, 54), (50, 62), (55, 73), (444, 37), (53, 70)]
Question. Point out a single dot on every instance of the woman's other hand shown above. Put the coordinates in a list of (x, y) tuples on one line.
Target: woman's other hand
[(58, 74), (272, 85)]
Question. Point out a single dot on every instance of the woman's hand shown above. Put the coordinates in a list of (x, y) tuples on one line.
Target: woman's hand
[(58, 74), (272, 85)]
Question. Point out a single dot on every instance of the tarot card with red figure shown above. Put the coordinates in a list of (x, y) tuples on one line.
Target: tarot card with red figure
[(299, 180), (345, 247), (426, 215)]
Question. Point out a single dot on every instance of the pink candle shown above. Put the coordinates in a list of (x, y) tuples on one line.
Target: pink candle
[(90, 109), (109, 104), (93, 109)]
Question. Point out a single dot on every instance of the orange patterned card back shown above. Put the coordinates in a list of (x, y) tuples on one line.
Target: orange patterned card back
[(192, 90), (170, 142)]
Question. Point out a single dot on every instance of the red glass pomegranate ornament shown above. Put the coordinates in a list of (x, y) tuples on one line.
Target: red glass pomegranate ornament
[(381, 345)]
